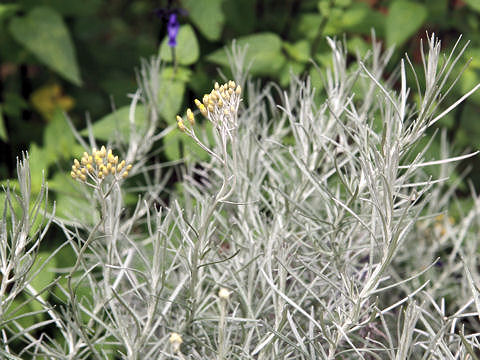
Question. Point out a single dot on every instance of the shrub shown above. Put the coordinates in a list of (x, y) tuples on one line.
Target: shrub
[(310, 233)]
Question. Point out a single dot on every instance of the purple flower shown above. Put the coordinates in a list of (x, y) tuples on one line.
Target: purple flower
[(172, 29)]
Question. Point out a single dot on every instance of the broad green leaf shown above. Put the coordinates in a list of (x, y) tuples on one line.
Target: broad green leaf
[(21, 308), (117, 123), (207, 16), (239, 15), (59, 142), (264, 52), (180, 73), (70, 201), (179, 145), (308, 26), (38, 166), (358, 45), (3, 131), (70, 8), (469, 79), (43, 32), (290, 68), (170, 96), (7, 9), (45, 276), (299, 51), (355, 16), (404, 19), (474, 4), (186, 51), (316, 79)]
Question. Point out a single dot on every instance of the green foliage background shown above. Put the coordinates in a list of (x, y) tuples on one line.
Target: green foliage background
[(80, 57), (88, 50)]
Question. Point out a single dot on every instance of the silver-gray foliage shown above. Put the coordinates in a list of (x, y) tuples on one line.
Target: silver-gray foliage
[(314, 232)]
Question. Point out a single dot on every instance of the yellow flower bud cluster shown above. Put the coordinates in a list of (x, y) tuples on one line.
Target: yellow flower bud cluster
[(98, 165), (220, 105), (222, 98)]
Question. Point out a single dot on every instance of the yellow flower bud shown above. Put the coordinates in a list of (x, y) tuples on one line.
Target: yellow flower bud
[(190, 117), (76, 163), (73, 175), (198, 103), (203, 110), (181, 126), (238, 90), (89, 168), (125, 174), (121, 165), (129, 166), (216, 86), (83, 177)]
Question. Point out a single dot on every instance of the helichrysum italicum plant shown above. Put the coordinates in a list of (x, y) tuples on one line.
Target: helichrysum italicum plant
[(314, 231)]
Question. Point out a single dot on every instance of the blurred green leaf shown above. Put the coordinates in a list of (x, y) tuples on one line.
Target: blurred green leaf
[(170, 95), (308, 26), (45, 276), (13, 104), (186, 51), (180, 73), (356, 16), (469, 79), (356, 44), (239, 15), (116, 123), (58, 139), (474, 4), (38, 166), (178, 145), (404, 19), (299, 51), (43, 32), (207, 16), (3, 131), (70, 8), (290, 68), (7, 9), (264, 52), (70, 201), (21, 308)]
